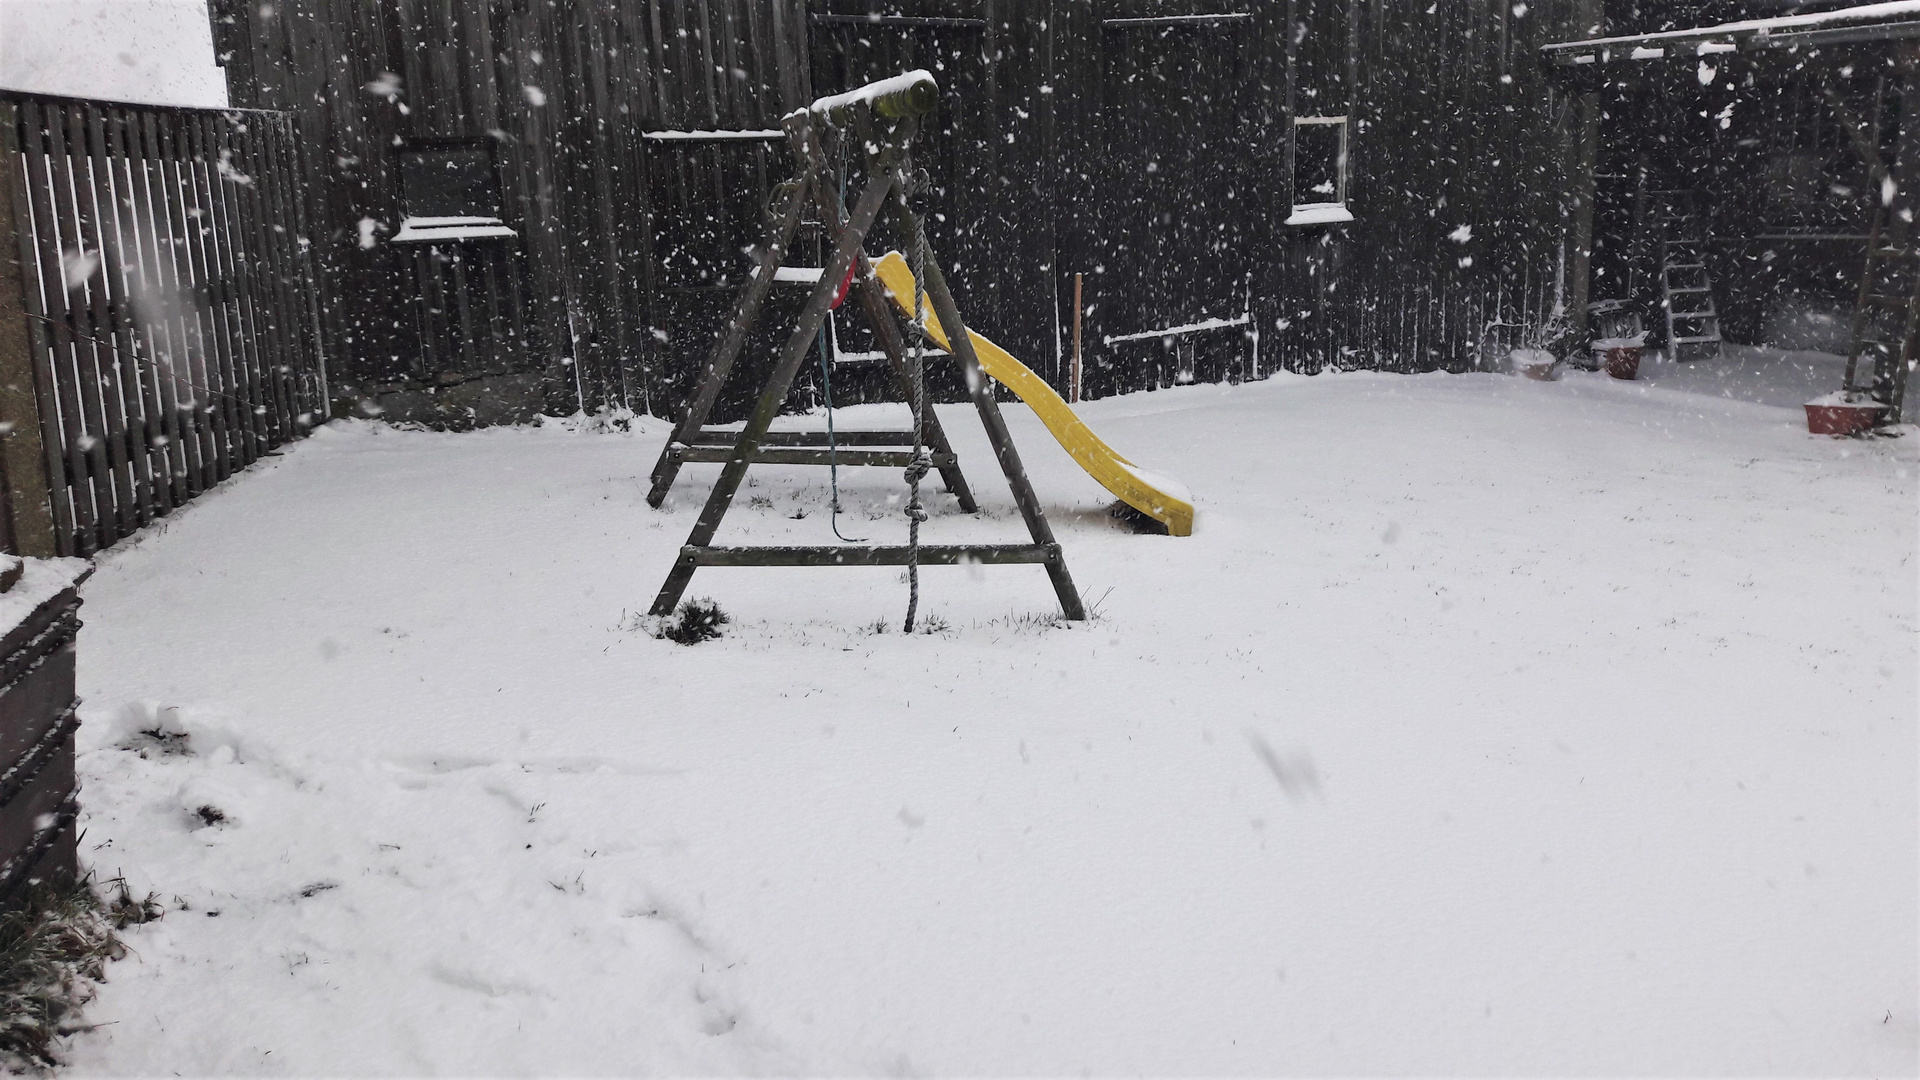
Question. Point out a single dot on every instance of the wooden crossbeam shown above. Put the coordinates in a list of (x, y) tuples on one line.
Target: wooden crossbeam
[(870, 555), (784, 455)]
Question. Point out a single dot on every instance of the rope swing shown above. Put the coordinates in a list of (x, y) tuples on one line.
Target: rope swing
[(917, 379), (878, 121)]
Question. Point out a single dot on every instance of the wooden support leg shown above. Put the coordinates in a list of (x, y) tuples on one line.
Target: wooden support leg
[(726, 350), (982, 391), (775, 393)]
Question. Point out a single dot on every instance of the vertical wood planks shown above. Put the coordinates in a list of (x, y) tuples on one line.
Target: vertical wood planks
[(170, 317), (86, 423), (121, 273), (31, 521)]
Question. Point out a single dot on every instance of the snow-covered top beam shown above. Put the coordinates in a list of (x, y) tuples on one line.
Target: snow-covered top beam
[(910, 93), (1886, 21)]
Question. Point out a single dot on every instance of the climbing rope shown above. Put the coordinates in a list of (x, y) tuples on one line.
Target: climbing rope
[(922, 461)]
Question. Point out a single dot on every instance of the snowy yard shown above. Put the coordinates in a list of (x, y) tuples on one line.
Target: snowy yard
[(1483, 726)]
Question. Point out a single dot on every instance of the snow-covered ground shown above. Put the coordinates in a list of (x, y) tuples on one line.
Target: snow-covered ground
[(1483, 726), (1788, 379), (158, 51)]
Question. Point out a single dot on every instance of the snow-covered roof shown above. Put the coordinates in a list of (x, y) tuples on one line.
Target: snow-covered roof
[(1887, 20)]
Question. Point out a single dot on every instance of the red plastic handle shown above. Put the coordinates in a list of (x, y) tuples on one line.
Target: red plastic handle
[(846, 285)]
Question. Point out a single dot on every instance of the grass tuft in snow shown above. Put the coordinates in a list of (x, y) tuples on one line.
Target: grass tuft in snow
[(124, 911), (928, 624), (159, 739), (1032, 621), (695, 621), (52, 952)]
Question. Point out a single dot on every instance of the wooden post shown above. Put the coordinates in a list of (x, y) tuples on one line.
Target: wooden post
[(1073, 386), (1581, 163), (28, 506)]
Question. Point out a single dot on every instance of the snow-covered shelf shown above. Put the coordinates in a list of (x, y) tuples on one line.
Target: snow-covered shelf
[(429, 230), (752, 134), (1319, 214)]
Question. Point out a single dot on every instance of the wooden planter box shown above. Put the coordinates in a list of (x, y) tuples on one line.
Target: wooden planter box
[(39, 618)]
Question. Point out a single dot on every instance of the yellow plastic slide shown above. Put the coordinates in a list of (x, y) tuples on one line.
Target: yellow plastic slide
[(1162, 499)]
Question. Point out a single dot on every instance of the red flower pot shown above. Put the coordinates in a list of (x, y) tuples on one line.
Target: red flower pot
[(1827, 417), (1623, 362)]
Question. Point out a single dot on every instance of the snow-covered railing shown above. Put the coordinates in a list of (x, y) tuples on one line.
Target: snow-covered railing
[(1888, 21), (1243, 319)]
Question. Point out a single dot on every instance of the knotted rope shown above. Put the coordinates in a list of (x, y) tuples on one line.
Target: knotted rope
[(922, 461)]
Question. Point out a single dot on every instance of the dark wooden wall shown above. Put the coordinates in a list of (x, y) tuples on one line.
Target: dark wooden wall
[(1459, 177), (39, 794), (1783, 193), (582, 305), (1123, 140)]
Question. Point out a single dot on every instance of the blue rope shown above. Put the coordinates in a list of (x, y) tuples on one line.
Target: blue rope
[(826, 372), (833, 467)]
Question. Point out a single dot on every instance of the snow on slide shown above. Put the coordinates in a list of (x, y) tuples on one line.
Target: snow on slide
[(1165, 500)]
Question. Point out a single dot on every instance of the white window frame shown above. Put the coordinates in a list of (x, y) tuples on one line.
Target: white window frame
[(1326, 212)]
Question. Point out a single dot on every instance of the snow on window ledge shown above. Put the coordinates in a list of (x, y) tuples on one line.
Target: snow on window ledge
[(1319, 214), (426, 230)]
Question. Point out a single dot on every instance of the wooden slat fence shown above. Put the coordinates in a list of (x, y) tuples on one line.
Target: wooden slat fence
[(170, 308)]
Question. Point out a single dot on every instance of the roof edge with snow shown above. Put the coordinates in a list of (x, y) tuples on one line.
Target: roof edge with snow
[(1889, 20)]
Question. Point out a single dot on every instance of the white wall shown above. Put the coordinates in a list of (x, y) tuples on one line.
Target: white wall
[(158, 51)]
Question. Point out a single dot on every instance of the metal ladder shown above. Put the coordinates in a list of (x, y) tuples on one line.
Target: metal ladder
[(1686, 290)]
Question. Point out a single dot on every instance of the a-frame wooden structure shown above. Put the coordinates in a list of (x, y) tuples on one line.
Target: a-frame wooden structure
[(881, 119)]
